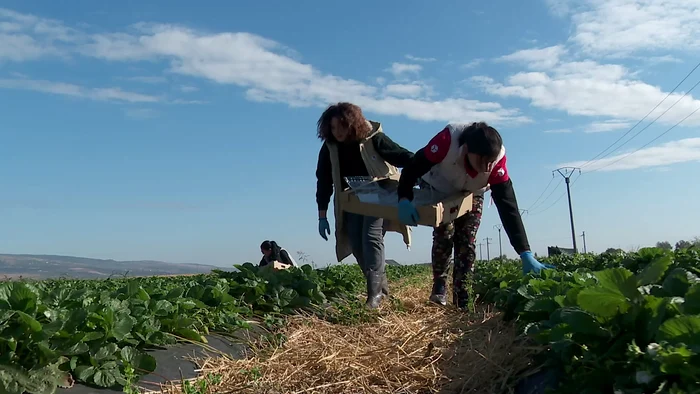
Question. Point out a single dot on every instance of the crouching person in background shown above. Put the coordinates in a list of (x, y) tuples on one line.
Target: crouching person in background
[(354, 146), (464, 158), (273, 252)]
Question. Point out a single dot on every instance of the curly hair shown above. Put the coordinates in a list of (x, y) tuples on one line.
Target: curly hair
[(350, 116), (482, 140)]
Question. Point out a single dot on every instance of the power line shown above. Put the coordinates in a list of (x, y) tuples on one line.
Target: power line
[(543, 191), (549, 195), (645, 116), (559, 198), (647, 126), (648, 143)]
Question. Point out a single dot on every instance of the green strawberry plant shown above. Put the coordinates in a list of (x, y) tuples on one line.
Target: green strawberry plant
[(624, 323), (97, 332)]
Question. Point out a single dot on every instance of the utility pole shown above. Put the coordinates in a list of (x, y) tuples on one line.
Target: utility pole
[(566, 172), (524, 211), (480, 255), (584, 242), (500, 248), (488, 253)]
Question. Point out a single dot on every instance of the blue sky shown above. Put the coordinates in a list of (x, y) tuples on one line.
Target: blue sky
[(187, 134)]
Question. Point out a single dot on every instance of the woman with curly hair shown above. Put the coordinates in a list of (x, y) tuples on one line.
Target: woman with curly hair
[(273, 252), (354, 146)]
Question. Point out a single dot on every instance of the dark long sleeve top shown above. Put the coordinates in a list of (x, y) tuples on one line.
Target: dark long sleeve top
[(353, 165)]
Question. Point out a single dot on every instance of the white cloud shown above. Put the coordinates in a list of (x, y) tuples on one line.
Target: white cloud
[(147, 79), (420, 59), (27, 37), (537, 58), (621, 27), (399, 69), (589, 88), (674, 152), (607, 125), (188, 88), (66, 89), (262, 67), (404, 90), (473, 63), (558, 131)]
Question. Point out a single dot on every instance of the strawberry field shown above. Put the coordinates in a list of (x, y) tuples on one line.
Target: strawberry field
[(55, 332), (610, 323)]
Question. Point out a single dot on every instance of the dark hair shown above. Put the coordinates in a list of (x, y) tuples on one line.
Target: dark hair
[(482, 139), (350, 116), (272, 245)]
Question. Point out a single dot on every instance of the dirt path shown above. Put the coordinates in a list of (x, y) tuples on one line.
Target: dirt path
[(408, 346)]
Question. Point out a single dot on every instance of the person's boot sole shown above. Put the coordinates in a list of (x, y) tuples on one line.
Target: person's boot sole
[(438, 300)]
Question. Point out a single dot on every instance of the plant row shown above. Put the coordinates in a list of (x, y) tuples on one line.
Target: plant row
[(97, 332), (610, 323)]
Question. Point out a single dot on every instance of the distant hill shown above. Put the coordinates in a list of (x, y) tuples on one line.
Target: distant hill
[(47, 266)]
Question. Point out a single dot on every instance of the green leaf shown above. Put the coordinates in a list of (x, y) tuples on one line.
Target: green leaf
[(106, 352), (147, 363), (619, 280), (603, 302), (190, 334), (31, 322), (691, 305), (84, 372), (679, 281), (22, 298), (680, 329), (582, 322), (654, 272), (122, 327), (175, 294)]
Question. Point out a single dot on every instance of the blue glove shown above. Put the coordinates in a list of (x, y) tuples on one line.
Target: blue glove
[(324, 228), (530, 263), (408, 213)]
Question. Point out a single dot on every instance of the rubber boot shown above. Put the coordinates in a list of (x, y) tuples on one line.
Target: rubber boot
[(385, 285), (461, 298), (439, 289), (374, 289)]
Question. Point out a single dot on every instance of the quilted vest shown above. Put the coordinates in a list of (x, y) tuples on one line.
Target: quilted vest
[(450, 176)]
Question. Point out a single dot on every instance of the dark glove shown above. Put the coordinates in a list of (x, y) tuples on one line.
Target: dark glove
[(324, 229)]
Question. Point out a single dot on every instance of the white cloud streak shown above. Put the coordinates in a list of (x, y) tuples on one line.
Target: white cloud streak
[(605, 126), (586, 88), (420, 59), (398, 69), (622, 27), (66, 89), (262, 67), (674, 152)]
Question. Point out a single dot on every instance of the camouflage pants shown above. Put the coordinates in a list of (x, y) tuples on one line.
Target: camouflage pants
[(459, 235)]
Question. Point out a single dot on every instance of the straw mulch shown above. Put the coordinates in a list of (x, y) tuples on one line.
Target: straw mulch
[(418, 348)]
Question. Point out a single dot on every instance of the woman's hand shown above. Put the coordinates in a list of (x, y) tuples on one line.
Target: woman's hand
[(324, 229)]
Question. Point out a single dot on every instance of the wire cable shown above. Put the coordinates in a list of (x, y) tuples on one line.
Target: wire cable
[(560, 197), (648, 143), (641, 120), (541, 194)]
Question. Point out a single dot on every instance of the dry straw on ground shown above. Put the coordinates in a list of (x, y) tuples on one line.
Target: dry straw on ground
[(419, 348)]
